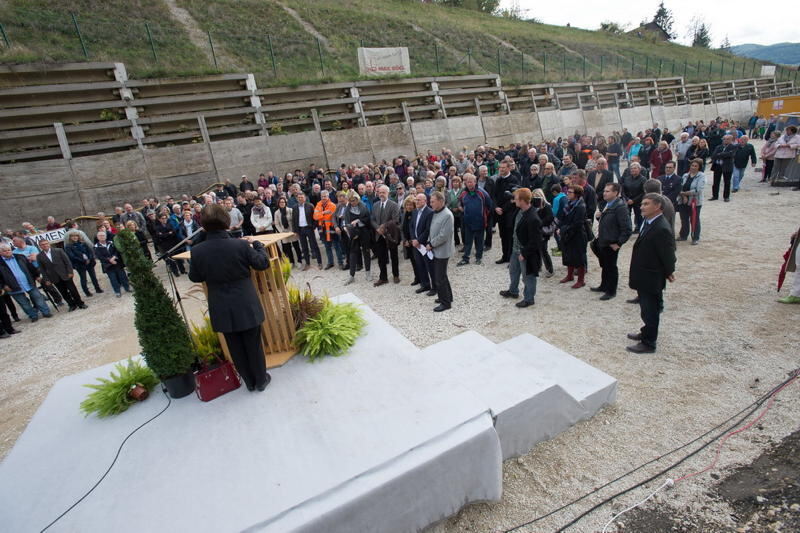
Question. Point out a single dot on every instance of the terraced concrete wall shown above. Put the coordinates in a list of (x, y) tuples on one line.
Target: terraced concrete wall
[(86, 185)]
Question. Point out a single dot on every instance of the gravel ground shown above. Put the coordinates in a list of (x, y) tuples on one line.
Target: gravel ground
[(724, 342)]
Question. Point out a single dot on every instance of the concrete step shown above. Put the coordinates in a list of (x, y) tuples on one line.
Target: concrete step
[(527, 406), (591, 387)]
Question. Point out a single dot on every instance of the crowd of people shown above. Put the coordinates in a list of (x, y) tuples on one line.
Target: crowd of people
[(433, 207)]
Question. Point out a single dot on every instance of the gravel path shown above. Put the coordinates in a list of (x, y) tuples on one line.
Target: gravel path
[(721, 331)]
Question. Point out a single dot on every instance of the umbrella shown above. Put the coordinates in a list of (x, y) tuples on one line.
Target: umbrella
[(693, 220), (782, 273)]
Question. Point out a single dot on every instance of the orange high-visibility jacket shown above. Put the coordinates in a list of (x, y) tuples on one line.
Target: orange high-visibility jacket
[(323, 214)]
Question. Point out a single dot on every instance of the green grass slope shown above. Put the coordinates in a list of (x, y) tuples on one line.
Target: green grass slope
[(440, 41)]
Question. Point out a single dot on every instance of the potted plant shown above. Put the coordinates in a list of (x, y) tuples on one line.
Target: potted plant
[(206, 343), (166, 345), (130, 383)]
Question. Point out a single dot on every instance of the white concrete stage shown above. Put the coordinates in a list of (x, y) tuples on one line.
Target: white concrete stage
[(386, 438)]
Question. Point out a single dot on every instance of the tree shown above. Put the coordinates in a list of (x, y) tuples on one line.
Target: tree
[(664, 20), (700, 33), (166, 345), (726, 44), (612, 27)]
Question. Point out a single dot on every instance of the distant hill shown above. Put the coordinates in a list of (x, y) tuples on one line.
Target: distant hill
[(782, 53), (287, 42)]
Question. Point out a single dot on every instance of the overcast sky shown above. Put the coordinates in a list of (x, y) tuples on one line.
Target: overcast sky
[(744, 21)]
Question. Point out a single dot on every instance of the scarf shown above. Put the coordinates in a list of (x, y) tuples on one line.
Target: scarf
[(259, 210), (283, 214)]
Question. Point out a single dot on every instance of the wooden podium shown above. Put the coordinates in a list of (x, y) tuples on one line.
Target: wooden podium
[(277, 331)]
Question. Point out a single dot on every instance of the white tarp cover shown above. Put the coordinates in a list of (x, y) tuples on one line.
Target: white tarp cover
[(383, 61)]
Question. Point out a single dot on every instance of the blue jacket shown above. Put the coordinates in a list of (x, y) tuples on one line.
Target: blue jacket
[(421, 231), (76, 251), (477, 207)]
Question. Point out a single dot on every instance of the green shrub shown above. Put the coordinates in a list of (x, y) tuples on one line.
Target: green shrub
[(286, 268), (206, 341), (163, 335), (110, 396), (332, 332), (304, 305)]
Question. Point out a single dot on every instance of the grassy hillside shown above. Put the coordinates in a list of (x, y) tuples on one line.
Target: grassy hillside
[(440, 41)]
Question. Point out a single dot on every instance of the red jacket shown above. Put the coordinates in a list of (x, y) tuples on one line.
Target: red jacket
[(657, 161)]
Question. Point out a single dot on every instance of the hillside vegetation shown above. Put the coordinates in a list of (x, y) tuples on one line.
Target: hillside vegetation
[(781, 53), (440, 40)]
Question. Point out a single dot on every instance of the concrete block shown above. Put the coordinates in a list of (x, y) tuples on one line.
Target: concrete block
[(462, 128), (658, 115), (105, 198), (710, 112), (234, 157), (109, 169), (304, 145), (178, 160), (611, 120), (348, 146), (571, 120), (697, 112), (724, 110), (551, 124), (498, 126), (22, 180), (525, 126), (184, 184), (593, 119), (431, 135), (36, 207), (388, 141)]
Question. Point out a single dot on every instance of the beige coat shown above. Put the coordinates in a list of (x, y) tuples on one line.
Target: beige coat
[(284, 226), (791, 265)]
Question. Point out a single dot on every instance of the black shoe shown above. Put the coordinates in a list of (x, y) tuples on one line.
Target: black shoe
[(713, 198), (727, 199), (635, 336), (101, 291), (509, 294), (89, 294), (264, 385), (632, 301), (430, 293), (501, 261), (462, 262), (680, 239), (49, 315), (441, 307), (72, 308), (16, 319), (640, 348), (82, 306), (14, 331), (35, 319), (328, 267), (607, 296), (344, 267), (524, 303), (4, 335), (437, 301), (477, 261), (421, 290), (597, 289), (415, 282)]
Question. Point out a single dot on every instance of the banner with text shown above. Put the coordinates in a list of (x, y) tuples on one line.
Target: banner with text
[(56, 235), (383, 61)]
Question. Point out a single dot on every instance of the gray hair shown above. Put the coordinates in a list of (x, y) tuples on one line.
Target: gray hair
[(4, 247), (384, 188), (635, 164), (438, 195)]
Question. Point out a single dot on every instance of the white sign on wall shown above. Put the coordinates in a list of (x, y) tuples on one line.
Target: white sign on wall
[(383, 61), (57, 235), (767, 71)]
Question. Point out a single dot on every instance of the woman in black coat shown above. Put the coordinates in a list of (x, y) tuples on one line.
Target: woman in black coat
[(405, 225), (545, 212), (166, 237), (572, 230), (359, 228), (224, 264)]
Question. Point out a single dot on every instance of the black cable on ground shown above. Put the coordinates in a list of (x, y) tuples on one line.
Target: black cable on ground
[(119, 450), (750, 408)]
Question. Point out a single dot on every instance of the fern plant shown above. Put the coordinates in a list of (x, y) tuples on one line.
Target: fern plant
[(285, 267), (331, 332), (110, 396)]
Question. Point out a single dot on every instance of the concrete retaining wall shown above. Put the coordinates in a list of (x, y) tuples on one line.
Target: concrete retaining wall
[(86, 185)]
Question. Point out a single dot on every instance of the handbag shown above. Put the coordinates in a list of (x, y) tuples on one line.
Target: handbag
[(588, 227), (214, 381)]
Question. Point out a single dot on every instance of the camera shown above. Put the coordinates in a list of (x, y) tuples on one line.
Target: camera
[(537, 202)]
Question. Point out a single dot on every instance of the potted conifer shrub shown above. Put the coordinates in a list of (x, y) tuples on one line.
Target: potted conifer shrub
[(166, 345)]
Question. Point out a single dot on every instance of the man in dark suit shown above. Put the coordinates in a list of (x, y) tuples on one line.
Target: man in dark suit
[(722, 166), (385, 218), (303, 226), (505, 210), (56, 267), (652, 265), (224, 264), (420, 233), (614, 230)]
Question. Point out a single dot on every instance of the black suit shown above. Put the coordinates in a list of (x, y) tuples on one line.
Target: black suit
[(59, 272), (652, 262), (308, 238), (722, 166), (419, 229), (503, 198), (224, 264), (614, 227)]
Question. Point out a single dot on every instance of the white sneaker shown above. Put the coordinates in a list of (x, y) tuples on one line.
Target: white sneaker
[(350, 280)]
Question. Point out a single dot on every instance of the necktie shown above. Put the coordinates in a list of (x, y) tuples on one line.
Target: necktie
[(645, 227)]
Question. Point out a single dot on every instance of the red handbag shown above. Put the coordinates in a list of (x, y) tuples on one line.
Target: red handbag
[(214, 381)]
